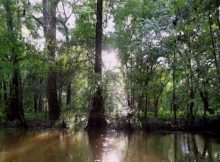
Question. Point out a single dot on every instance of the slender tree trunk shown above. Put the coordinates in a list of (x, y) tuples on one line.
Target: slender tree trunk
[(191, 87), (68, 87), (40, 97), (35, 102), (129, 100), (205, 100), (214, 49), (157, 98), (68, 94), (217, 4), (146, 105), (156, 102), (140, 105), (174, 104), (97, 114), (132, 87), (1, 92), (191, 105), (49, 25), (60, 91), (5, 97), (40, 103)]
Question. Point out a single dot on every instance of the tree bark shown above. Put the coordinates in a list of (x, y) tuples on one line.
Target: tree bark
[(97, 115), (157, 98), (214, 49), (156, 102), (40, 97), (35, 102), (140, 105), (1, 92), (68, 87), (191, 105), (146, 105), (205, 100), (5, 96), (191, 87), (68, 94), (14, 110), (98, 43), (174, 104), (49, 25), (40, 103)]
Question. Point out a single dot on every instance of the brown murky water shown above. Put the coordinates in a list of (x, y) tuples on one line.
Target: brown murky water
[(54, 146)]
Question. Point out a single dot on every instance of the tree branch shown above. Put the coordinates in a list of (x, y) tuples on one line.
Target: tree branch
[(38, 20)]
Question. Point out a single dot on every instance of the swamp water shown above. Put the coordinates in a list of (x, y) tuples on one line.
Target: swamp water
[(112, 146)]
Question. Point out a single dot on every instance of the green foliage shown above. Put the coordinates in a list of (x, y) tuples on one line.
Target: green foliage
[(167, 50)]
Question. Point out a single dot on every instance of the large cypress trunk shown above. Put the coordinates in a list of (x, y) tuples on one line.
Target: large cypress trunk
[(14, 109), (49, 25), (97, 115)]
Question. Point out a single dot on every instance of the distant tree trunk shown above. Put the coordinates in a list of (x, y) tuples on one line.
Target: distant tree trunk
[(40, 103), (214, 49), (205, 100), (1, 92), (174, 104), (5, 96), (68, 94), (146, 105), (157, 98), (66, 31), (49, 25), (156, 102), (40, 98), (97, 114), (140, 104), (60, 91), (35, 102), (14, 109), (191, 105), (129, 100), (132, 87), (191, 88), (217, 4)]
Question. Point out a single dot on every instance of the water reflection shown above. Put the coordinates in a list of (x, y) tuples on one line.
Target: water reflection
[(111, 146)]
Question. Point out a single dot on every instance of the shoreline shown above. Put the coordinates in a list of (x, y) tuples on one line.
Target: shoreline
[(161, 125)]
